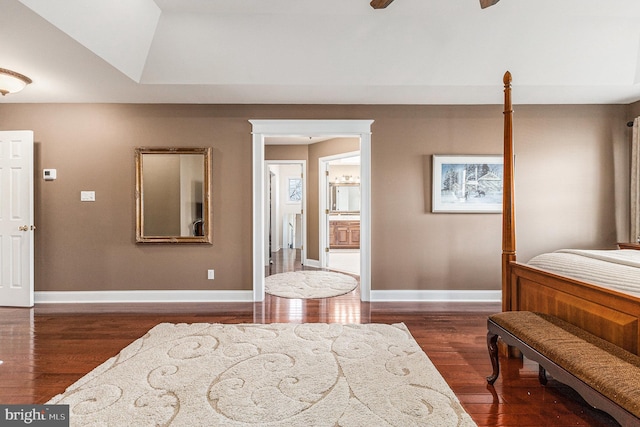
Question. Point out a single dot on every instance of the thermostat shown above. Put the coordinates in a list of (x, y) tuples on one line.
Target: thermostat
[(49, 174)]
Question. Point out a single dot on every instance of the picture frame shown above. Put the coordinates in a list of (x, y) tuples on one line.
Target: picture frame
[(294, 190), (467, 183)]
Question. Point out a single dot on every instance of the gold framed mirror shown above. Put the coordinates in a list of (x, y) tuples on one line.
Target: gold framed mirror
[(173, 195), (344, 198)]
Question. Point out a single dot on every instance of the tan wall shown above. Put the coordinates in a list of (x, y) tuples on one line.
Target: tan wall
[(568, 162), (286, 152), (634, 111)]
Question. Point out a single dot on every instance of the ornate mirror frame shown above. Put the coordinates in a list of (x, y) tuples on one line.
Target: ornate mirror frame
[(204, 235)]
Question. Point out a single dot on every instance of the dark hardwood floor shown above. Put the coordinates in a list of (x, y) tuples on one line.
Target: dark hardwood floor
[(47, 348)]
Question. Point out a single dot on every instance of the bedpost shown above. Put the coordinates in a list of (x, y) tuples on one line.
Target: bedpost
[(508, 205)]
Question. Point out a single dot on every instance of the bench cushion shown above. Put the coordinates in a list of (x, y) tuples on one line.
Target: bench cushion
[(607, 368)]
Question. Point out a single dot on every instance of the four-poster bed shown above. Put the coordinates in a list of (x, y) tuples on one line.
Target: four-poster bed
[(609, 314)]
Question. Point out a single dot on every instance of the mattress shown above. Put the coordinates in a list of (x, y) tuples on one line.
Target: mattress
[(614, 269)]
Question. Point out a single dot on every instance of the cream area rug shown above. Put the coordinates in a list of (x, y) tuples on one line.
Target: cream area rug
[(309, 284), (279, 374)]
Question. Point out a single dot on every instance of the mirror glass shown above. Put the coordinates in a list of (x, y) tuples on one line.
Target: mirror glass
[(345, 198), (173, 195)]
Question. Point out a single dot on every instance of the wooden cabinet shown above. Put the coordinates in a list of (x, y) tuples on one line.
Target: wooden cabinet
[(344, 234), (635, 246)]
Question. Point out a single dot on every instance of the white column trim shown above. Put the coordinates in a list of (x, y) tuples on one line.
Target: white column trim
[(635, 183)]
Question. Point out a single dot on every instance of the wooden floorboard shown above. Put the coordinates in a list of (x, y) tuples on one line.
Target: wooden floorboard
[(47, 348)]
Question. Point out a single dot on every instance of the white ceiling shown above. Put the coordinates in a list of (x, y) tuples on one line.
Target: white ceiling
[(322, 51)]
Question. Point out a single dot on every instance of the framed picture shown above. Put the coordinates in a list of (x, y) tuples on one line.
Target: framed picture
[(467, 184), (294, 190)]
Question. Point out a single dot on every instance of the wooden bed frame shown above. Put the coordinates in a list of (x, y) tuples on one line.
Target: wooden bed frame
[(611, 315)]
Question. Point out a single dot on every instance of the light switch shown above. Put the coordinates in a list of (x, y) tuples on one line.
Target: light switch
[(49, 174), (87, 196)]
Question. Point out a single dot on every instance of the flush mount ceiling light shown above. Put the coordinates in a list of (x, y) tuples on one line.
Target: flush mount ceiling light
[(381, 4), (12, 82), (486, 3)]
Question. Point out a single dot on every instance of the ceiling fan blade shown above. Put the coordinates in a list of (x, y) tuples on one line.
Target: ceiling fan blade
[(381, 4), (486, 3)]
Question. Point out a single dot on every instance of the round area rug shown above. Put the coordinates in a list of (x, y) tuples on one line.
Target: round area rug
[(309, 284)]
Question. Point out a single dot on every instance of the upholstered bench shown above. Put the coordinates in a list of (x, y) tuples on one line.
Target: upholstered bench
[(605, 375)]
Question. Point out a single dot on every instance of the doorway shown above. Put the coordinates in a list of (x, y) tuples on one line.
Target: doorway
[(340, 202), (335, 128), (286, 203)]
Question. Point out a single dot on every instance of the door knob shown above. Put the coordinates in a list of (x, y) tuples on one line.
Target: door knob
[(24, 228)]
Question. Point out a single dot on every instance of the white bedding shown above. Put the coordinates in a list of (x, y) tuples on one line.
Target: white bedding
[(614, 269)]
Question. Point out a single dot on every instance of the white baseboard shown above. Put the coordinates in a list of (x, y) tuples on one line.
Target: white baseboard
[(435, 296), (247, 296), (312, 263), (142, 296)]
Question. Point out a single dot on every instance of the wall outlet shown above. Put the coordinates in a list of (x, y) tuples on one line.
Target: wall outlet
[(210, 275)]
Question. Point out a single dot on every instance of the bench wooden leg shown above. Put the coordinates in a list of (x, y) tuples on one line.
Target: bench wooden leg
[(492, 345), (542, 375)]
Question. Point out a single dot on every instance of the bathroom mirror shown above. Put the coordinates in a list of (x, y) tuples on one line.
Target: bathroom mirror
[(173, 195), (345, 198)]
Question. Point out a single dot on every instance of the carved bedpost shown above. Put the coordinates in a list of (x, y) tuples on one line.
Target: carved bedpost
[(508, 205)]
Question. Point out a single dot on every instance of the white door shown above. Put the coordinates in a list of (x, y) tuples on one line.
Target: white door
[(16, 219)]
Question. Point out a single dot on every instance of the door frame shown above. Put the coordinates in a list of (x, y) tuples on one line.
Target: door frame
[(334, 128)]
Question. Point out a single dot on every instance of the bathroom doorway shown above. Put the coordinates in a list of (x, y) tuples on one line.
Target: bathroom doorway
[(340, 178)]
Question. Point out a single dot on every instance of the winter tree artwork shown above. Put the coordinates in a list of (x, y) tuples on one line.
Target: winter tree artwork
[(467, 184)]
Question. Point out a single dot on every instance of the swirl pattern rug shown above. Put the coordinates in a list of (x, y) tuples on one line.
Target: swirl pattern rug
[(311, 374), (309, 284)]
